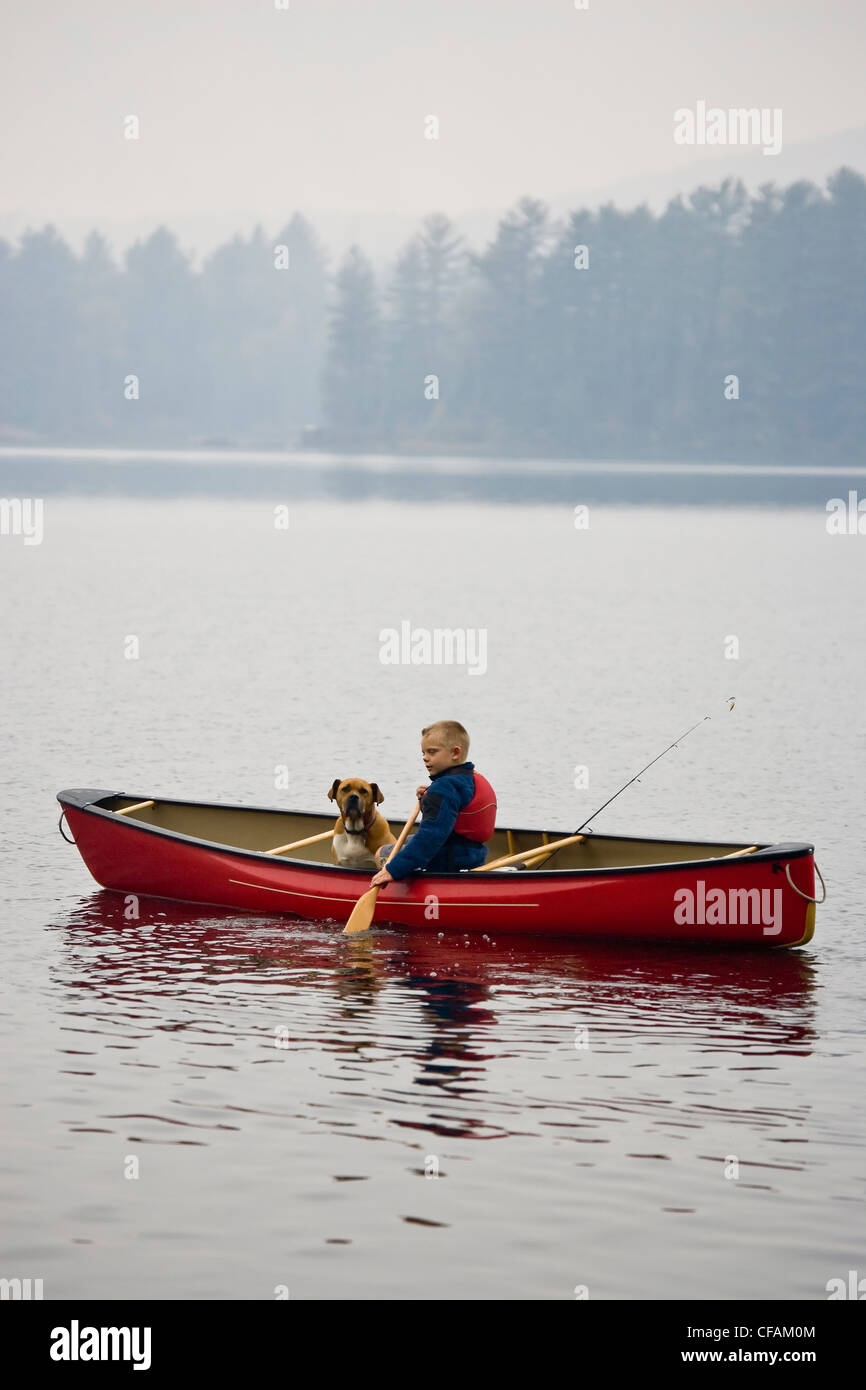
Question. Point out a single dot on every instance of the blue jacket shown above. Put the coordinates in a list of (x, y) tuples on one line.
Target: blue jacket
[(435, 847)]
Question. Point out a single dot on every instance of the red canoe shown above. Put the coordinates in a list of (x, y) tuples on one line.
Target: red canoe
[(609, 887)]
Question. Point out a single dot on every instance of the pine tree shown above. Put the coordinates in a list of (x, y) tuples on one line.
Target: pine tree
[(352, 379)]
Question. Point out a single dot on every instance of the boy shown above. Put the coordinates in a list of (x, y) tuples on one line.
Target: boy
[(458, 809)]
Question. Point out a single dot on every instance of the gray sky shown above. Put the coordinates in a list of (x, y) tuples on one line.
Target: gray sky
[(248, 112)]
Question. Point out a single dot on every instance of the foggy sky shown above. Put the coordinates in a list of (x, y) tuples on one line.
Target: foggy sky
[(248, 112)]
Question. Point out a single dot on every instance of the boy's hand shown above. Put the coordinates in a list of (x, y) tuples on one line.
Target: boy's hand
[(419, 792), (380, 879)]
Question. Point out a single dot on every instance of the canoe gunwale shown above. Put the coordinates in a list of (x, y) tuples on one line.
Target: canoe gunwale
[(87, 800)]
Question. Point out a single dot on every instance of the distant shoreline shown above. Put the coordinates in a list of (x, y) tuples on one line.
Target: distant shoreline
[(299, 476), (490, 464)]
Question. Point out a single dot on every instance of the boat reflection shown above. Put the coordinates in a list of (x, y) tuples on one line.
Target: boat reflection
[(723, 999), (468, 1016)]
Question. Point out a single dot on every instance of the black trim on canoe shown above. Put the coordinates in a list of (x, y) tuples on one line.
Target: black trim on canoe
[(88, 800)]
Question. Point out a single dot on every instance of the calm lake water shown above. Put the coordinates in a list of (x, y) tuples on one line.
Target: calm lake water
[(289, 1095)]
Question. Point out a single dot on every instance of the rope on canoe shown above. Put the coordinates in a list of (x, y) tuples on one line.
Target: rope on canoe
[(60, 828), (800, 891)]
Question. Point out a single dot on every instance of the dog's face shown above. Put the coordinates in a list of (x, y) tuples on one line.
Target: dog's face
[(357, 801)]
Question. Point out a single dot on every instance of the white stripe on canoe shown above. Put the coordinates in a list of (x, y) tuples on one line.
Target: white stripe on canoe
[(323, 898)]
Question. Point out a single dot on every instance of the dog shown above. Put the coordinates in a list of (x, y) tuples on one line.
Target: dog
[(360, 831)]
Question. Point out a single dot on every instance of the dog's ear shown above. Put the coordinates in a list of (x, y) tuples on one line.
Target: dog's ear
[(335, 784), (377, 795)]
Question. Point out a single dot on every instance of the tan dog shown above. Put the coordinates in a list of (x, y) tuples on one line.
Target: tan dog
[(360, 830)]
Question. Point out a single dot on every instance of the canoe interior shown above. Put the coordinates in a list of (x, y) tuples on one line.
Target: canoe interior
[(263, 830)]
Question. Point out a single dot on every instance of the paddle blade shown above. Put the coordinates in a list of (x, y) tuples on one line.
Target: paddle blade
[(362, 913)]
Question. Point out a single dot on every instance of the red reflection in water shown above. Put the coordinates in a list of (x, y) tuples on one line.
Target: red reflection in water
[(754, 996), (480, 1000)]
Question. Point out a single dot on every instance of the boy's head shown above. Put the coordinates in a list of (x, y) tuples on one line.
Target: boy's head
[(444, 744)]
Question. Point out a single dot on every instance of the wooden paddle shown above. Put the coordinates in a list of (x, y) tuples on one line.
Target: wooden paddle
[(299, 844), (537, 860), (362, 912)]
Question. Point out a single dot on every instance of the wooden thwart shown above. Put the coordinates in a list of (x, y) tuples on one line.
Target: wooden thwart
[(531, 858), (139, 806)]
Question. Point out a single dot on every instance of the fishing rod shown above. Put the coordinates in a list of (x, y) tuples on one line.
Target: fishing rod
[(534, 857), (677, 741)]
